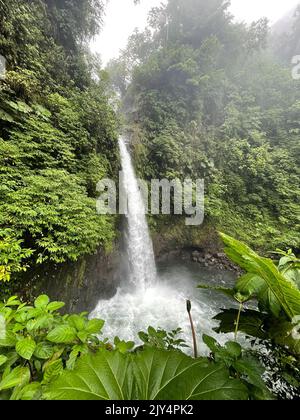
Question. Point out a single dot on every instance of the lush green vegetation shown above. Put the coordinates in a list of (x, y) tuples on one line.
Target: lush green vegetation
[(275, 321), (57, 132), (201, 97), (207, 98), (44, 355), (193, 81)]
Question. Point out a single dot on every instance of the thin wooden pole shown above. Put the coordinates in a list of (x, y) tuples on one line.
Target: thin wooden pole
[(189, 309)]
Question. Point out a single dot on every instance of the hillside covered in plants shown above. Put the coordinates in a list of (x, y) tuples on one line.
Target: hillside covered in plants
[(197, 81), (58, 133)]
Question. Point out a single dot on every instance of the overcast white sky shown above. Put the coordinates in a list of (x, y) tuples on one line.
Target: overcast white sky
[(122, 17)]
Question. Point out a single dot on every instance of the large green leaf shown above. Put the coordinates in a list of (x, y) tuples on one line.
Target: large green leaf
[(277, 290), (253, 285), (55, 306), (41, 302), (3, 359), (148, 375), (25, 348), (251, 369), (52, 370), (289, 266), (20, 375), (95, 326), (63, 334), (27, 393), (44, 350), (77, 322), (9, 339), (172, 375), (100, 377)]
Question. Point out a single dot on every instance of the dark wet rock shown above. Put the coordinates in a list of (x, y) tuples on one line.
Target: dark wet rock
[(206, 259), (80, 284)]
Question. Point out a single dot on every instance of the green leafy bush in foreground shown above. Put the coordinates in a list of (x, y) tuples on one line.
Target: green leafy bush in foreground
[(275, 288), (274, 328), (37, 343), (44, 355), (154, 373)]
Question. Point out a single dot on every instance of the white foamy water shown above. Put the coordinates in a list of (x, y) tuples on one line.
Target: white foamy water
[(163, 305)]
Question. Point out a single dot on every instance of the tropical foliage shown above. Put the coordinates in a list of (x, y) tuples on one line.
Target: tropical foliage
[(36, 343), (275, 323), (201, 96), (11, 258), (46, 355), (139, 377), (57, 130), (207, 98)]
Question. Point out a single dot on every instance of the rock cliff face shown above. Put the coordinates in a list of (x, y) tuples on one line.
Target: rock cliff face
[(80, 284), (201, 245), (218, 260), (172, 237)]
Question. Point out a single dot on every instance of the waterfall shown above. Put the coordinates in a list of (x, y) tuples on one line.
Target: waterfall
[(138, 242), (162, 303)]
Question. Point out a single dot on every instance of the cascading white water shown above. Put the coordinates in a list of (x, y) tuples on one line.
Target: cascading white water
[(157, 302), (139, 244)]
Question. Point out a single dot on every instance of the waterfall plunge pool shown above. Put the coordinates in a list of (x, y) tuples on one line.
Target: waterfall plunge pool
[(163, 304)]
